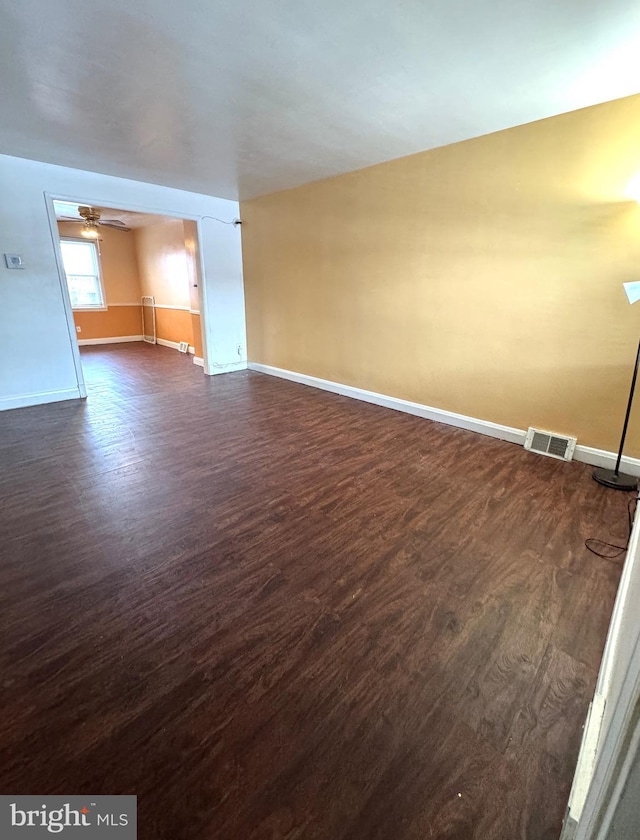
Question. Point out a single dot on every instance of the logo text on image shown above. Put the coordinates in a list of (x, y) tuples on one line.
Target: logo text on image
[(97, 816)]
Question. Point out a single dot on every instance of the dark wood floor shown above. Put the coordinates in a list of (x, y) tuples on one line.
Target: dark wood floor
[(272, 612)]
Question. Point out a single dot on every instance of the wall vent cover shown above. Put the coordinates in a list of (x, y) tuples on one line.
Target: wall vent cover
[(548, 443), (183, 346)]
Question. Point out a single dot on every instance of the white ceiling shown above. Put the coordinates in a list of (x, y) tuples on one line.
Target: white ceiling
[(236, 98)]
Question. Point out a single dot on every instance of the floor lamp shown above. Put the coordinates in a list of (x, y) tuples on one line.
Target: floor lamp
[(614, 478)]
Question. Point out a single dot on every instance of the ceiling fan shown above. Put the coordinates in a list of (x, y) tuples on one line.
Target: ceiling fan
[(92, 219)]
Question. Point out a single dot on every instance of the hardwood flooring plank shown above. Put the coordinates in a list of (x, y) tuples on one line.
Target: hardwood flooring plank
[(273, 612)]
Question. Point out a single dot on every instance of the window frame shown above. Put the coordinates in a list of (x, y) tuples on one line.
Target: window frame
[(103, 306)]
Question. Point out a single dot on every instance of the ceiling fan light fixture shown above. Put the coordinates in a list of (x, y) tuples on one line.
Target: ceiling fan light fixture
[(91, 220), (90, 230)]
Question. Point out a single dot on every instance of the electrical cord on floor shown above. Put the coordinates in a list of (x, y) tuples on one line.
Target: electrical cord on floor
[(619, 549)]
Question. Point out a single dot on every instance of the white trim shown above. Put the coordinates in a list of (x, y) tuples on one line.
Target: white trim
[(587, 757), (149, 302), (175, 345), (167, 306), (622, 606), (39, 399), (194, 312), (603, 458), (198, 360), (164, 342), (64, 291), (472, 424), (117, 339), (585, 454), (82, 240), (138, 304), (228, 368), (617, 755), (203, 297)]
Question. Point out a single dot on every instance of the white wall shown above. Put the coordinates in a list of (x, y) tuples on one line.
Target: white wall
[(31, 300), (616, 693), (624, 630)]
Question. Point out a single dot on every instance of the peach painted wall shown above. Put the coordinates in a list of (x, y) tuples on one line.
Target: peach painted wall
[(119, 269), (115, 322), (174, 325), (162, 262), (164, 273), (196, 329), (193, 274)]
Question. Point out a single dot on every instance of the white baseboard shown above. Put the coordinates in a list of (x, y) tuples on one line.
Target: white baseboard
[(228, 368), (175, 345), (604, 458), (197, 360), (118, 339), (586, 454), (164, 342), (472, 424), (41, 398)]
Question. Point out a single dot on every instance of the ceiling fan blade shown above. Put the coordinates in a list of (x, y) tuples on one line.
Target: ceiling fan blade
[(112, 222), (69, 219), (115, 226)]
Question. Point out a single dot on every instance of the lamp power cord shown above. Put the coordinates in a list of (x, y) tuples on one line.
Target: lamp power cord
[(612, 550)]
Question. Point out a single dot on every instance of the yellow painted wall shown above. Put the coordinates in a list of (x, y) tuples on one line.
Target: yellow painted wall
[(164, 273), (119, 269), (483, 277)]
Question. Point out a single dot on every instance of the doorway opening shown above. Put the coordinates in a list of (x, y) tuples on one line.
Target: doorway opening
[(131, 277)]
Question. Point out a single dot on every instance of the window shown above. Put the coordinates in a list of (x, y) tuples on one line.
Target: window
[(82, 268)]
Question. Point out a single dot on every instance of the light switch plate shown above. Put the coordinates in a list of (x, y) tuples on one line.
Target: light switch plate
[(13, 261)]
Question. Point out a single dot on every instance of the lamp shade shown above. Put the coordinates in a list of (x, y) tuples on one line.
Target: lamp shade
[(632, 291)]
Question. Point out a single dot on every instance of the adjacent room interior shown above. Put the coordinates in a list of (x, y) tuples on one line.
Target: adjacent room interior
[(131, 277), (313, 329)]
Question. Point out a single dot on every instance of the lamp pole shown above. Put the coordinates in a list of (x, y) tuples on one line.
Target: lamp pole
[(614, 478)]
